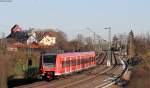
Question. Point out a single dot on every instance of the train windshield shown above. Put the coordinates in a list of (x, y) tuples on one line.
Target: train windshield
[(51, 59)]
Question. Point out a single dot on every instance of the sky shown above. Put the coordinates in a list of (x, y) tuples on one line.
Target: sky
[(75, 16)]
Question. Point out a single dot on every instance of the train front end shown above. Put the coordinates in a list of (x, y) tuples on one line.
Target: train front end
[(47, 66)]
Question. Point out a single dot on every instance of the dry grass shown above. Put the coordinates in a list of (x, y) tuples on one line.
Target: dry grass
[(141, 74), (140, 78), (8, 63), (5, 70)]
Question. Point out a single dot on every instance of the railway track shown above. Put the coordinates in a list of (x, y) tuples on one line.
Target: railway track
[(81, 79), (67, 79), (88, 79)]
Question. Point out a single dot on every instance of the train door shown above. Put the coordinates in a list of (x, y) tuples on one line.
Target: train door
[(65, 65), (70, 65), (82, 62), (73, 63), (89, 61), (76, 59), (79, 62), (88, 58), (85, 62), (85, 59)]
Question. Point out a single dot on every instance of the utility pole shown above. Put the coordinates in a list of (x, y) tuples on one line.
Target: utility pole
[(3, 42), (109, 57), (78, 42), (29, 56), (94, 37)]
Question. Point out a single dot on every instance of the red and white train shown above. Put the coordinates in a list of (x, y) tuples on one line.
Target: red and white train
[(52, 64)]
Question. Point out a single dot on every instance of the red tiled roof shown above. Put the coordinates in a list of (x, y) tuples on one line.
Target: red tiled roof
[(18, 45), (16, 28), (34, 45)]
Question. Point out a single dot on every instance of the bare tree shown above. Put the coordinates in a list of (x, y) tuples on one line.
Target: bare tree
[(3, 74), (131, 45), (142, 43), (89, 43), (61, 40)]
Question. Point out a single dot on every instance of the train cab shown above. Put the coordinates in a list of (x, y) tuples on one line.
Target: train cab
[(47, 65)]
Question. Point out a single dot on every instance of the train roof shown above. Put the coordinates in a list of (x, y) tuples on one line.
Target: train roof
[(76, 54), (71, 54)]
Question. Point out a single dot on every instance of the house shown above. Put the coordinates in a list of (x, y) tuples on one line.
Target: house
[(15, 46), (17, 34), (47, 40), (32, 38), (12, 49), (16, 28)]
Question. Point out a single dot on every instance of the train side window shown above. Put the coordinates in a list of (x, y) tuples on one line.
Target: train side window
[(82, 61), (85, 61), (68, 62), (71, 62), (88, 59), (63, 64), (78, 61), (74, 62), (93, 59)]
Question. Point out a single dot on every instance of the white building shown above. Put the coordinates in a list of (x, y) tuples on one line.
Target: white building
[(47, 40), (32, 38)]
